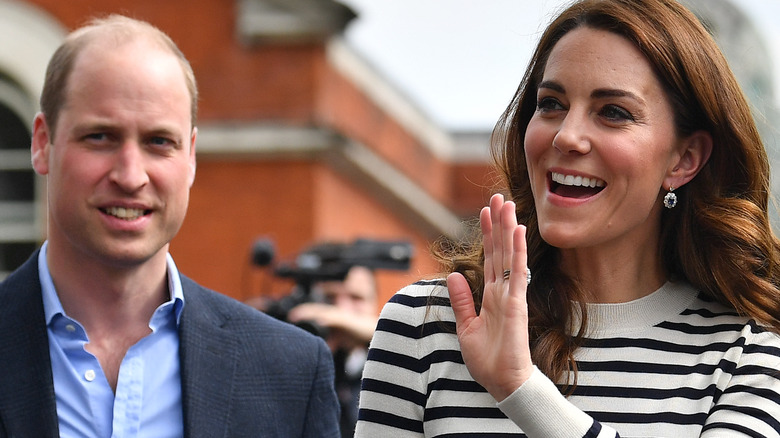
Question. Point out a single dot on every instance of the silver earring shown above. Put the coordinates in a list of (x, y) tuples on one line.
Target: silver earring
[(670, 200)]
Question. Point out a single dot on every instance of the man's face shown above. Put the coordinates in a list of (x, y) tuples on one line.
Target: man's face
[(356, 294), (122, 161)]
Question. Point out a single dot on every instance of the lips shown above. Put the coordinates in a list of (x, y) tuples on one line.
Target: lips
[(125, 213), (575, 186)]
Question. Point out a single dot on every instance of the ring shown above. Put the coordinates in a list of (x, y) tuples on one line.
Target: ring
[(507, 273)]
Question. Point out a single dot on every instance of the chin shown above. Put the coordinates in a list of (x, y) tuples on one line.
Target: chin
[(130, 255), (560, 236)]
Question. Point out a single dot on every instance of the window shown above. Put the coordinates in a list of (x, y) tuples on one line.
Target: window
[(19, 230)]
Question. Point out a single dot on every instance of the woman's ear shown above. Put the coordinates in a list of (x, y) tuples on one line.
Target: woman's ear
[(695, 150), (40, 145)]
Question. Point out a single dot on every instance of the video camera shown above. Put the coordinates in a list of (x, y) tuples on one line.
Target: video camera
[(328, 262)]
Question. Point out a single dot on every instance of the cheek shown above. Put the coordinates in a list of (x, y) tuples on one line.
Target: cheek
[(79, 169), (635, 164), (538, 139), (171, 177)]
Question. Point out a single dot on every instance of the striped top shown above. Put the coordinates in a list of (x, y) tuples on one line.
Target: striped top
[(671, 364)]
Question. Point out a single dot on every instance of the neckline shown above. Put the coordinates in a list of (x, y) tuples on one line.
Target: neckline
[(614, 318)]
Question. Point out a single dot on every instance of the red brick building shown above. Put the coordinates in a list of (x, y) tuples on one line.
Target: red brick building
[(300, 141)]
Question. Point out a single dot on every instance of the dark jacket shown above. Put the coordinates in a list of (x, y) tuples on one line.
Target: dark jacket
[(243, 373)]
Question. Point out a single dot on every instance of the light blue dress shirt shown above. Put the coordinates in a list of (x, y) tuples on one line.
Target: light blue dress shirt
[(148, 390)]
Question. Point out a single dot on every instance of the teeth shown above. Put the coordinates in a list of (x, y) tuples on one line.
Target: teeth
[(125, 213), (571, 180)]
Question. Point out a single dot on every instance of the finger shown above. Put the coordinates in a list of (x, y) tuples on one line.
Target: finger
[(460, 299), (518, 279), (508, 226), (487, 243), (303, 312), (497, 237)]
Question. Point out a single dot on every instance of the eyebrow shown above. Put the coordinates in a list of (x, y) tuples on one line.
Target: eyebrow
[(599, 93), (85, 127), (554, 86)]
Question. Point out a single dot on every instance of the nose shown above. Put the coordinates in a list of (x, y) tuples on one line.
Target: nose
[(572, 135), (342, 301), (129, 170)]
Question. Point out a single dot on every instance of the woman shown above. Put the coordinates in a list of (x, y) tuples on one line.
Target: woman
[(630, 155)]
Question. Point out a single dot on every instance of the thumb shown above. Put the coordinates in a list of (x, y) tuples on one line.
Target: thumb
[(460, 299)]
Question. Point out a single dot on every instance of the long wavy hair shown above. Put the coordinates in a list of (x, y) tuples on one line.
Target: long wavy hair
[(718, 237)]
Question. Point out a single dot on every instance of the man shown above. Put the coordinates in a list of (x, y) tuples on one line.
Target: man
[(101, 334), (349, 315)]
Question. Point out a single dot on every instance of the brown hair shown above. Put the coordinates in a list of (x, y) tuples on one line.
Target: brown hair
[(718, 237), (116, 29)]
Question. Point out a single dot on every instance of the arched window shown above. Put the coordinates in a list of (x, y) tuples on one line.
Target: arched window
[(30, 36), (19, 233)]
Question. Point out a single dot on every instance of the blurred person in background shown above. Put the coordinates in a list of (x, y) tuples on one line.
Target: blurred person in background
[(348, 314)]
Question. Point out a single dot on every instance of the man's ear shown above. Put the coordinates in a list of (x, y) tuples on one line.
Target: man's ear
[(694, 153), (41, 145), (193, 161)]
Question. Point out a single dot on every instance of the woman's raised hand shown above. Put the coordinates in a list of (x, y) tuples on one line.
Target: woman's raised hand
[(494, 343)]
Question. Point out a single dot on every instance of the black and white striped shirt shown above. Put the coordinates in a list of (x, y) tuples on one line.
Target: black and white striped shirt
[(671, 364)]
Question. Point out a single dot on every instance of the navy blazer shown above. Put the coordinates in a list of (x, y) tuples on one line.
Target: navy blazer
[(243, 373)]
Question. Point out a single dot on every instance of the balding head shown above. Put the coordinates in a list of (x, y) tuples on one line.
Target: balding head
[(110, 32)]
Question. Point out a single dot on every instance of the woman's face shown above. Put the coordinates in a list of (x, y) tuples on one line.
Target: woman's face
[(600, 143)]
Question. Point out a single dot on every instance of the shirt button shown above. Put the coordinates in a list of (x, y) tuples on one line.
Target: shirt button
[(70, 328), (89, 375)]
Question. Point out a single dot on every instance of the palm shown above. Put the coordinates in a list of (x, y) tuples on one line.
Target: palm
[(494, 343)]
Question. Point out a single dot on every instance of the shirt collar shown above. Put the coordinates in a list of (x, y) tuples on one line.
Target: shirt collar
[(51, 301)]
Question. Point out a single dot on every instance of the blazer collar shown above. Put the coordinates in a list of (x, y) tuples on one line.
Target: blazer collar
[(27, 403), (208, 363)]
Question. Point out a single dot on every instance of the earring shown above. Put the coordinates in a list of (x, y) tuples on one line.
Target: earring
[(670, 200)]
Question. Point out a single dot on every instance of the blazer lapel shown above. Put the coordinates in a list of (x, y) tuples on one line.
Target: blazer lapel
[(27, 403), (207, 364)]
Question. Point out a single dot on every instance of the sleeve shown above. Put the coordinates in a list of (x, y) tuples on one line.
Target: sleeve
[(394, 394), (542, 411), (392, 398), (322, 416), (749, 405)]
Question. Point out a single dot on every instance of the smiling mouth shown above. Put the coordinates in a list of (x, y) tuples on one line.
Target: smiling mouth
[(123, 213), (570, 186)]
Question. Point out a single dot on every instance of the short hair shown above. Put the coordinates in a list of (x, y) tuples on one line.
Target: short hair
[(120, 29)]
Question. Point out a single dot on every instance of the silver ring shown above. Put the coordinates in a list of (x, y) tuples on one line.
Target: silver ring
[(507, 272), (527, 276)]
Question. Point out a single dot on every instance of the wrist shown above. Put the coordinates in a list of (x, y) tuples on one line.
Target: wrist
[(505, 388)]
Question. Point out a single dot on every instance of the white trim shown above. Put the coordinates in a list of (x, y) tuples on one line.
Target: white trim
[(30, 37), (261, 139), (18, 233), (389, 99), (15, 159), (290, 21), (354, 160), (437, 218), (18, 101)]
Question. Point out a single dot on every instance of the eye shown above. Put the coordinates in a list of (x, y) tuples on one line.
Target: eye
[(547, 104), (98, 140), (159, 142), (96, 136), (616, 114)]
